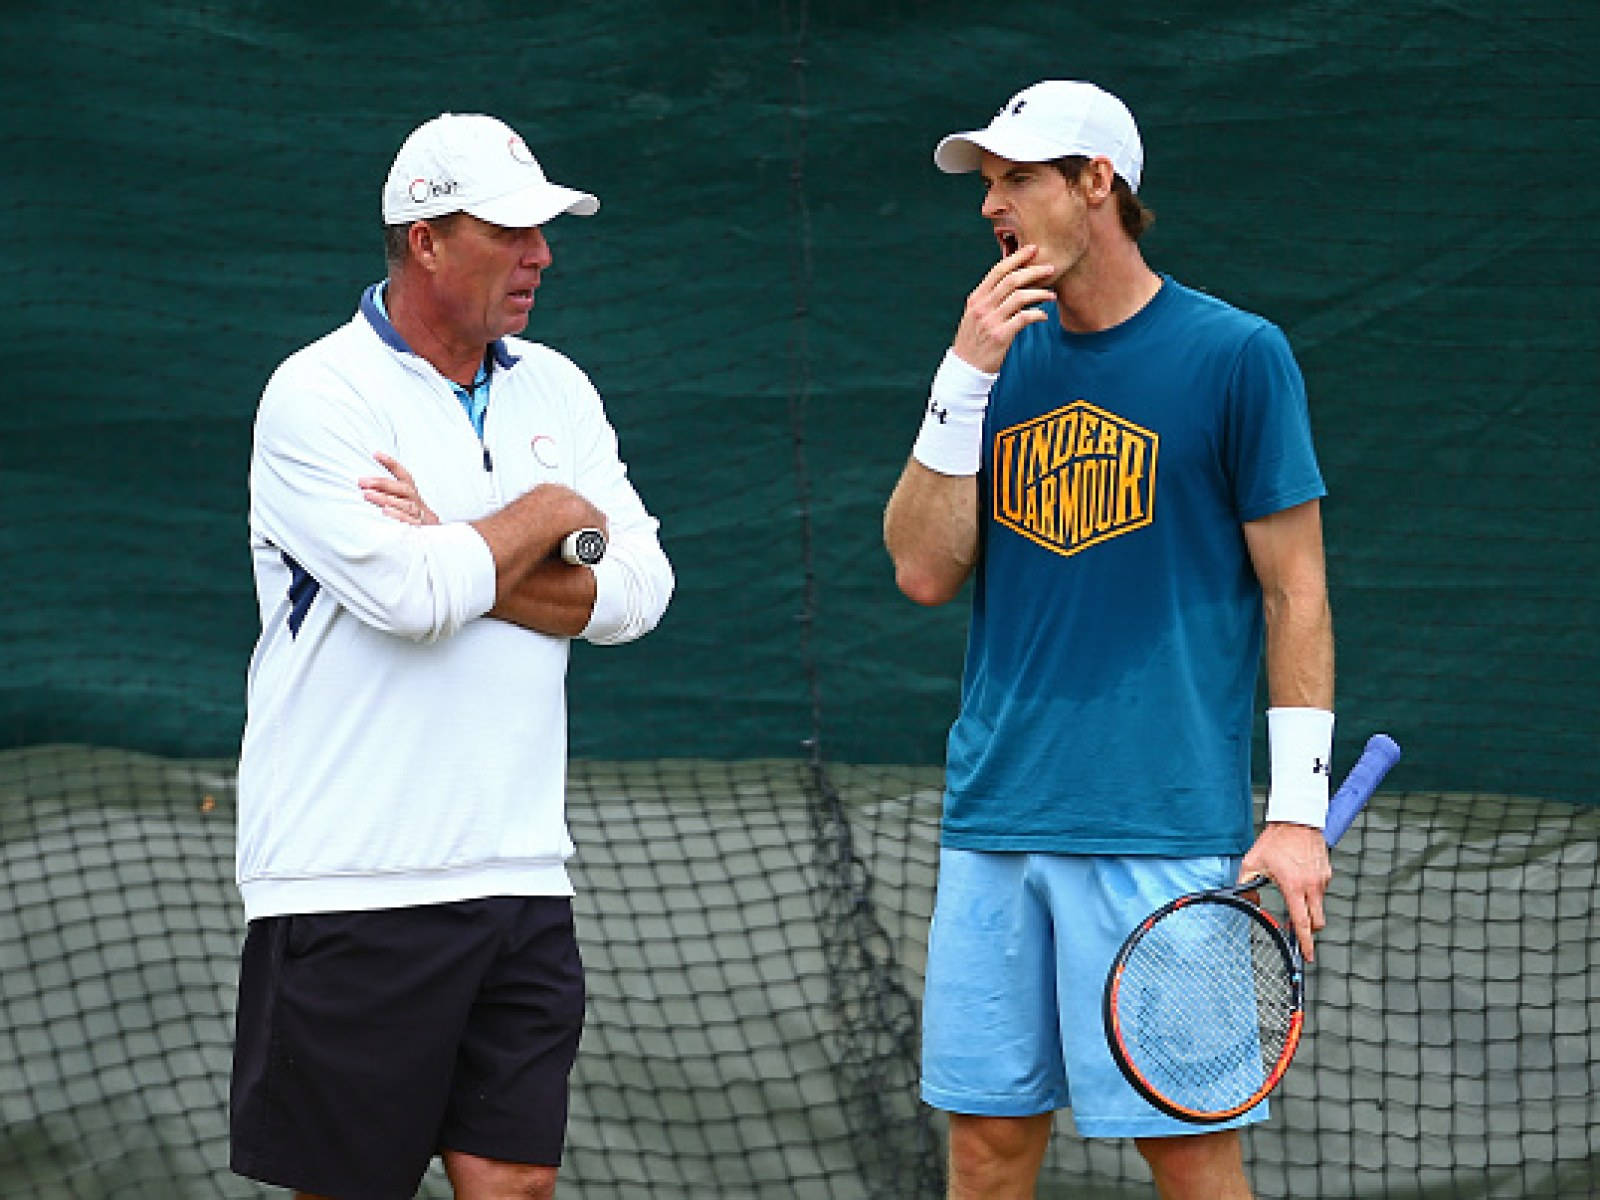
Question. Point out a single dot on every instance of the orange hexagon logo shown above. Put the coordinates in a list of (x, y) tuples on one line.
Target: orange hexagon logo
[(1075, 477)]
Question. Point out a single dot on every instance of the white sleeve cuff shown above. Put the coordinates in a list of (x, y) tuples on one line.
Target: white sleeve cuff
[(610, 612), (463, 559), (1300, 752), (632, 586), (951, 439)]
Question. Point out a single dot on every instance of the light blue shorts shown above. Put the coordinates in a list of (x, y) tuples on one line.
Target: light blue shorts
[(1018, 952)]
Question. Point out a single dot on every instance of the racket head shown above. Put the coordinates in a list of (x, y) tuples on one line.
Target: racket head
[(1204, 1005)]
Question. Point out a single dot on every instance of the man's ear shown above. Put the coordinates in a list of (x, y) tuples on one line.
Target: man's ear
[(423, 239), (1097, 179)]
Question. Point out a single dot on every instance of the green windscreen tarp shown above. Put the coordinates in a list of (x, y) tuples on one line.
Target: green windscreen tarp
[(1406, 188)]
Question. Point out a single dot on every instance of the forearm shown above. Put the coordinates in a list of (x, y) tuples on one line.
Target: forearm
[(1299, 649), (930, 529), (930, 526), (523, 538), (553, 598), (1286, 551)]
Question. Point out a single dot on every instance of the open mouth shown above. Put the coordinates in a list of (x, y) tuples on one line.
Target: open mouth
[(1009, 244)]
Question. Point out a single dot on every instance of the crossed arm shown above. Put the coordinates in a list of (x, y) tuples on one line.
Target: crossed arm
[(534, 588)]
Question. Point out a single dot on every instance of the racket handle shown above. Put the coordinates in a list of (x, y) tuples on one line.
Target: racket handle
[(584, 547), (1381, 753)]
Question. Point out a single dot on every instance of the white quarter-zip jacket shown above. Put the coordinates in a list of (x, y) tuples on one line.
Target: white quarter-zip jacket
[(401, 747)]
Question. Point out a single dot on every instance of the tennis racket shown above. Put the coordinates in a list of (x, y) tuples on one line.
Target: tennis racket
[(1205, 1001)]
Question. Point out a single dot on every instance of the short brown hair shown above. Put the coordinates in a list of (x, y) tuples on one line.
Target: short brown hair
[(397, 238), (1136, 218)]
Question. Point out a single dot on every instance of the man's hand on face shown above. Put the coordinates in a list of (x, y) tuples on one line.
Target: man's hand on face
[(1000, 306)]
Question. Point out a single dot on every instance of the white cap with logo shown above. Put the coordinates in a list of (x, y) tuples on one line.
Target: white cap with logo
[(471, 163), (1051, 120)]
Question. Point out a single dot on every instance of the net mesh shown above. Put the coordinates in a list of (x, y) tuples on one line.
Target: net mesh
[(752, 1021), (1405, 187)]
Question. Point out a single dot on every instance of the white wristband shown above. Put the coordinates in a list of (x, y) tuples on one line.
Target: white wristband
[(951, 440), (1300, 753)]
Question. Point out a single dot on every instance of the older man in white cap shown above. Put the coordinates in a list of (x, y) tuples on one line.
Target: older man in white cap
[(1124, 468), (437, 508)]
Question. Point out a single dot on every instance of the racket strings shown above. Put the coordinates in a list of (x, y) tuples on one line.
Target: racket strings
[(1205, 1006)]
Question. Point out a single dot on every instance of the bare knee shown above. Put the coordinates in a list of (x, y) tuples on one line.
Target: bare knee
[(535, 1183), (1205, 1166), (997, 1158), (474, 1178)]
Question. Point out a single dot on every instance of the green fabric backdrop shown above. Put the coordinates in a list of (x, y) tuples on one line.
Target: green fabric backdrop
[(1405, 188)]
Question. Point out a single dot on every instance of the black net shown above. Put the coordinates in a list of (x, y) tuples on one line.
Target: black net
[(754, 935), (1404, 187)]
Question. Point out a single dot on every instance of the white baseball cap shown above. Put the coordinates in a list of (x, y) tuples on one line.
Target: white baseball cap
[(471, 163), (1051, 120)]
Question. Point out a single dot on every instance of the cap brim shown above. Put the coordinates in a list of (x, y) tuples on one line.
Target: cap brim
[(534, 206), (957, 154), (963, 152)]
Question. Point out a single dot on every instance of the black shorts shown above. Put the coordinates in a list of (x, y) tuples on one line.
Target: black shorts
[(369, 1041)]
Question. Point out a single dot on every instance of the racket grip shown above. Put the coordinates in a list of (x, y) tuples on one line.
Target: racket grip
[(1381, 753), (585, 546)]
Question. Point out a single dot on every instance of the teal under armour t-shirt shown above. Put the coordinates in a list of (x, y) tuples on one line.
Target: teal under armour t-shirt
[(1116, 633)]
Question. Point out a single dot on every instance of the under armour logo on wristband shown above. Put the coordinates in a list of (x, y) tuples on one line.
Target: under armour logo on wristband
[(1318, 767), (942, 413)]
